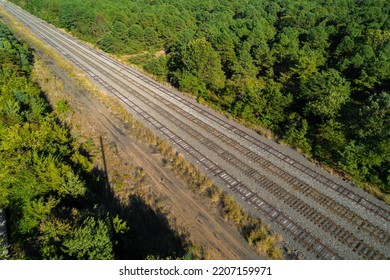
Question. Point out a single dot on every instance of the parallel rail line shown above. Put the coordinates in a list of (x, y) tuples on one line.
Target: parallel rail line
[(384, 213), (305, 238), (380, 211), (296, 184), (212, 146), (302, 236)]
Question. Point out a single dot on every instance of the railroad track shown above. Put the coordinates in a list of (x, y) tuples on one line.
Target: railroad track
[(283, 222), (217, 126), (264, 147)]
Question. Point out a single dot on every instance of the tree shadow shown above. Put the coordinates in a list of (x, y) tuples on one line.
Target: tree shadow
[(149, 234)]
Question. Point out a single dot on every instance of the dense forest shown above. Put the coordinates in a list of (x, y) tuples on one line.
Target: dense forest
[(314, 72), (55, 203)]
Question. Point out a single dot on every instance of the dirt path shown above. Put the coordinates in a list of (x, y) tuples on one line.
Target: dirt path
[(192, 213)]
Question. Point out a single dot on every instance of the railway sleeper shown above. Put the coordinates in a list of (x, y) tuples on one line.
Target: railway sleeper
[(289, 200), (264, 207), (337, 209), (277, 172), (383, 213), (307, 210), (351, 241), (337, 231), (323, 222), (330, 203), (347, 214), (374, 255), (285, 225), (280, 218), (255, 198), (327, 254), (358, 221), (249, 172), (289, 160), (302, 235), (345, 192), (258, 178), (312, 215), (291, 180), (321, 199), (295, 230), (259, 204), (295, 183), (342, 236), (267, 185), (309, 240), (328, 226), (319, 220), (303, 208), (295, 203), (248, 197), (318, 248), (268, 210), (274, 215), (281, 193), (364, 250)]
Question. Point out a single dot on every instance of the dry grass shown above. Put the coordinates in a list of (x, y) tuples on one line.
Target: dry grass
[(267, 133), (375, 191)]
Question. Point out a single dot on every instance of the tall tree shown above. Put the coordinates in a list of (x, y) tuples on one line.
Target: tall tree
[(325, 93), (201, 63)]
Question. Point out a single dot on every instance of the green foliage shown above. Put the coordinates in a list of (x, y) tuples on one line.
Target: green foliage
[(200, 67), (325, 93), (263, 61), (3, 252), (330, 139), (38, 179), (158, 67), (62, 107), (91, 241), (119, 225), (296, 135)]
